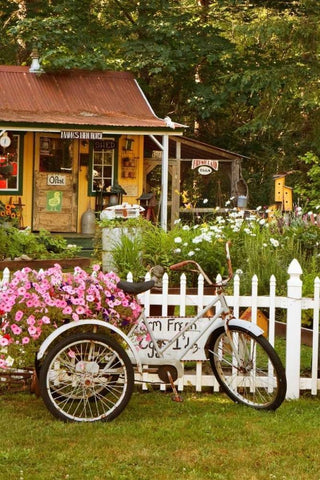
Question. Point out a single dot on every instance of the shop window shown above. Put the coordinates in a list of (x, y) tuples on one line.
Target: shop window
[(102, 165), (10, 164), (55, 155)]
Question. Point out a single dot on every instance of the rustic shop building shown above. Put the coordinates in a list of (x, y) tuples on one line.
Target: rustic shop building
[(68, 139)]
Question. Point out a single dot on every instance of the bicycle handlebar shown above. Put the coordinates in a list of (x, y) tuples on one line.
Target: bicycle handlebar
[(178, 266)]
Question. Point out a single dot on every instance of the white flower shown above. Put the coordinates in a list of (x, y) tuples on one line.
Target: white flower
[(178, 240), (239, 271), (185, 227), (205, 200), (191, 253), (258, 208), (177, 221), (185, 244), (262, 221), (197, 239), (177, 250), (274, 242)]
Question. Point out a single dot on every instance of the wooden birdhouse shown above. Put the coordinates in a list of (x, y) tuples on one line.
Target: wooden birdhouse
[(282, 193)]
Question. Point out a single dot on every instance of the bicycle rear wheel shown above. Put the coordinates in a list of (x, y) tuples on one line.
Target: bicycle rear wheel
[(248, 368), (86, 377)]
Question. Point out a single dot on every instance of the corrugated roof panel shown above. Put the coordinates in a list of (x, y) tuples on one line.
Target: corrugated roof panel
[(74, 97)]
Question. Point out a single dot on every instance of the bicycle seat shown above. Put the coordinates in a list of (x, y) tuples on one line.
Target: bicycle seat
[(135, 287)]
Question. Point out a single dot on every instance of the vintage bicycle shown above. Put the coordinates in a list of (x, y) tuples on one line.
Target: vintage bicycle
[(88, 369)]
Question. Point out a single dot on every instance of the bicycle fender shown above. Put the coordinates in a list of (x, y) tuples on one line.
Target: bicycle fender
[(92, 322), (252, 327)]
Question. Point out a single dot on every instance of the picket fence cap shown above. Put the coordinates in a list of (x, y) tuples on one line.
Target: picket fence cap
[(295, 268)]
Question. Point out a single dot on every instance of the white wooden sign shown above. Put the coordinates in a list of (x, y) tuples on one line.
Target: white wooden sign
[(165, 328)]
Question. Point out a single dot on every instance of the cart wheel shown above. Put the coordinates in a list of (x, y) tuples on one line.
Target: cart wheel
[(86, 377)]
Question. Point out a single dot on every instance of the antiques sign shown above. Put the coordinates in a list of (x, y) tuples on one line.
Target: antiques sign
[(74, 135), (204, 166)]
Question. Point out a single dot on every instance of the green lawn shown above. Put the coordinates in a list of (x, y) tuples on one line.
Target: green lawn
[(205, 437)]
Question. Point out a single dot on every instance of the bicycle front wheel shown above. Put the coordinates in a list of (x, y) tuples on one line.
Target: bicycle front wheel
[(85, 378), (248, 368)]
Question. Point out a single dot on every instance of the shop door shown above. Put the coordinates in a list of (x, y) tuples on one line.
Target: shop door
[(55, 184)]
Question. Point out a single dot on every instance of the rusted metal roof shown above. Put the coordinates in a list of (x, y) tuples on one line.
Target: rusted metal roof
[(191, 149), (75, 97)]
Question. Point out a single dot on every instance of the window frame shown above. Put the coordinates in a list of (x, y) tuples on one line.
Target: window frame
[(114, 167), (19, 189)]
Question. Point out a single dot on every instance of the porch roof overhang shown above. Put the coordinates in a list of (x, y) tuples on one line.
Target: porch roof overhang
[(190, 148), (77, 99)]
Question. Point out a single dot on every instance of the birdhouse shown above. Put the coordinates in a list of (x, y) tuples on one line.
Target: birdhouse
[(279, 186), (282, 194), (287, 199)]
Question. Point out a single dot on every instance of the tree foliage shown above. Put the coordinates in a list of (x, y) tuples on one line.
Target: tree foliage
[(241, 74)]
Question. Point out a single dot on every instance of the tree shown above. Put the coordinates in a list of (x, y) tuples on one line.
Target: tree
[(241, 74)]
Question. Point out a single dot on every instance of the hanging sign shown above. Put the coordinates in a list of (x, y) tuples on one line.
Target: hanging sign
[(203, 170), (99, 145), (74, 135), (211, 164), (56, 179), (54, 201)]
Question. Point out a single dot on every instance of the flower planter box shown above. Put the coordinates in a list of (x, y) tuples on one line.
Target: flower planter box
[(66, 263), (111, 237)]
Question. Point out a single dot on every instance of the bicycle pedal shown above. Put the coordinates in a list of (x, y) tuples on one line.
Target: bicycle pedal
[(177, 398)]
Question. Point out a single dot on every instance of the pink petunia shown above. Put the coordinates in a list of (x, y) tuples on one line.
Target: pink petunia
[(32, 330), (31, 320), (25, 340), (18, 316), (4, 341), (80, 310), (67, 311), (15, 329)]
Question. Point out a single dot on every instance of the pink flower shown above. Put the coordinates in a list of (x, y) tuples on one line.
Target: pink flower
[(18, 316), (45, 319), (31, 320), (4, 341), (3, 363), (67, 311), (80, 310), (15, 329), (32, 331), (25, 340)]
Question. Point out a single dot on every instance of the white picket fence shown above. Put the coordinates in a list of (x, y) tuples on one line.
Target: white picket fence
[(293, 305)]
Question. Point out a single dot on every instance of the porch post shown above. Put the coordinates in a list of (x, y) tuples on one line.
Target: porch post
[(164, 182)]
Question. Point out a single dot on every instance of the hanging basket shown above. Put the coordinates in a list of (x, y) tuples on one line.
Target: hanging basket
[(6, 170)]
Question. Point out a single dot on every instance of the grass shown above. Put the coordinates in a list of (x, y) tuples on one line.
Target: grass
[(205, 437)]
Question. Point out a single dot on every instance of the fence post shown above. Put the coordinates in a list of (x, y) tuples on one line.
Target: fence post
[(293, 344)]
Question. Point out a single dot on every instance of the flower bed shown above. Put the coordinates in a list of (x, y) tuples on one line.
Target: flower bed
[(33, 303)]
